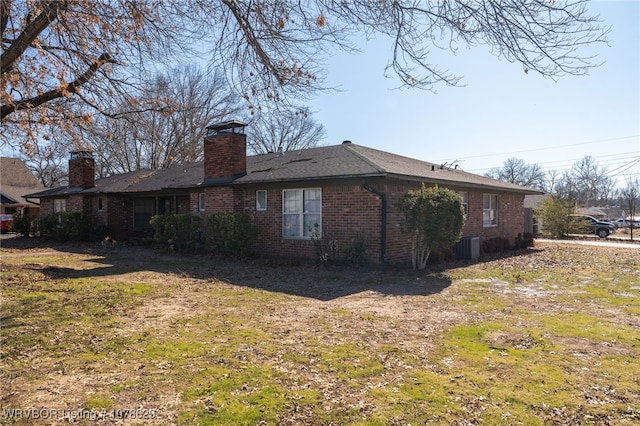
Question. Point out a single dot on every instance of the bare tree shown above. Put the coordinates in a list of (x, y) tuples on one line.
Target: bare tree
[(280, 131), (592, 180), (156, 139), (63, 59), (552, 180), (277, 45), (48, 162), (515, 170), (60, 57), (587, 182), (630, 195)]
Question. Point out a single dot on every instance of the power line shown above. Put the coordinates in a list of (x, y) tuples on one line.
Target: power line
[(547, 148), (627, 167), (566, 164)]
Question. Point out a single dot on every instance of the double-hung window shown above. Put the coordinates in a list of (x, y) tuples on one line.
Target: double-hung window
[(301, 213), (489, 210), (59, 205)]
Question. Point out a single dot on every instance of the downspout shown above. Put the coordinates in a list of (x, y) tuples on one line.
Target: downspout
[(383, 220)]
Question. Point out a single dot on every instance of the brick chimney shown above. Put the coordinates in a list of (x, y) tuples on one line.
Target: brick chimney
[(82, 170), (225, 152)]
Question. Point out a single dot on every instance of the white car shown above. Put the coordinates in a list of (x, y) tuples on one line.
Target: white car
[(624, 223)]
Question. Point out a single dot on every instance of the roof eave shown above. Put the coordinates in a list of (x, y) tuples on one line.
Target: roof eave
[(472, 185)]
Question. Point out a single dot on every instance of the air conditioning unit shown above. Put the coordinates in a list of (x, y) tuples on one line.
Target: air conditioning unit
[(467, 248)]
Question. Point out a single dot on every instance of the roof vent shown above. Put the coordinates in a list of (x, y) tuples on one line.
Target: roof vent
[(345, 142)]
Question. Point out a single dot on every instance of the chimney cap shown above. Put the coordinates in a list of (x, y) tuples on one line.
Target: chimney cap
[(77, 154), (231, 126), (346, 142)]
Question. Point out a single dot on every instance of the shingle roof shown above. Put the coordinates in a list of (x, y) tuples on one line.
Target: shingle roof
[(328, 162), (16, 180), (351, 160)]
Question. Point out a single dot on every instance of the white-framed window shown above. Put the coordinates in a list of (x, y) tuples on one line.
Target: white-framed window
[(201, 201), (261, 200), (489, 210), (464, 196), (59, 205), (302, 213)]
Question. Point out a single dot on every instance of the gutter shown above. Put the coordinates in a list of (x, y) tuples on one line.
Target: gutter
[(27, 199), (383, 221)]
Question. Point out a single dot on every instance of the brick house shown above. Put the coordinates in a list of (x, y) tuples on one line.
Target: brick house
[(341, 189)]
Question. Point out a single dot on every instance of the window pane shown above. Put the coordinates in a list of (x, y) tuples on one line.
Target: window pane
[(291, 225), (261, 200), (59, 205), (291, 201), (312, 200), (486, 201), (312, 226)]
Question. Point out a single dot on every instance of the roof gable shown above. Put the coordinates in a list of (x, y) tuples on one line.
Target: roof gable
[(16, 180)]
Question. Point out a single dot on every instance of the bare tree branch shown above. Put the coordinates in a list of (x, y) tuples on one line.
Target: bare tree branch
[(63, 90)]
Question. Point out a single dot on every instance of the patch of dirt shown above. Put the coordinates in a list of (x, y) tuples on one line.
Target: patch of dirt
[(395, 308)]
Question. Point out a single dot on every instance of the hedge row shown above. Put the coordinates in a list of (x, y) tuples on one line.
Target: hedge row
[(228, 234), (60, 226)]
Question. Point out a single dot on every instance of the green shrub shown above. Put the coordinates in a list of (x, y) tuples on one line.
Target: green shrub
[(229, 234), (65, 226), (555, 214), (434, 217), (22, 224), (182, 232)]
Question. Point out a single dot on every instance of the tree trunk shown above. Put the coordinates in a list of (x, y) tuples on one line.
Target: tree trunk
[(419, 254)]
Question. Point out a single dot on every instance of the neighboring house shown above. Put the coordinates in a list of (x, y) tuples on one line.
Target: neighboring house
[(596, 212), (330, 192), (532, 221), (16, 180)]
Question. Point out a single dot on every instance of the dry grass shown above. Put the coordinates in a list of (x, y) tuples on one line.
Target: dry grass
[(548, 337)]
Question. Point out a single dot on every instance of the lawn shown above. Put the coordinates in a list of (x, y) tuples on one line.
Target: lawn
[(100, 334)]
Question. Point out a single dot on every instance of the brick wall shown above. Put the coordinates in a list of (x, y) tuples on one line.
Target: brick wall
[(82, 173), (46, 206), (225, 155), (220, 199), (510, 216), (348, 208)]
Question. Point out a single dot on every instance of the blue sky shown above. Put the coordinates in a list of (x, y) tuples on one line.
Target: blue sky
[(501, 112)]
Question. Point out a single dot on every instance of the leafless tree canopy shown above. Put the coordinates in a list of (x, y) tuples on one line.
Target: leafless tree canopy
[(62, 60), (281, 131), (630, 200), (587, 182), (156, 139), (517, 171)]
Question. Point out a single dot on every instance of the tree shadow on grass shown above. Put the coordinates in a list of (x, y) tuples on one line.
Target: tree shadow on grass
[(288, 277)]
